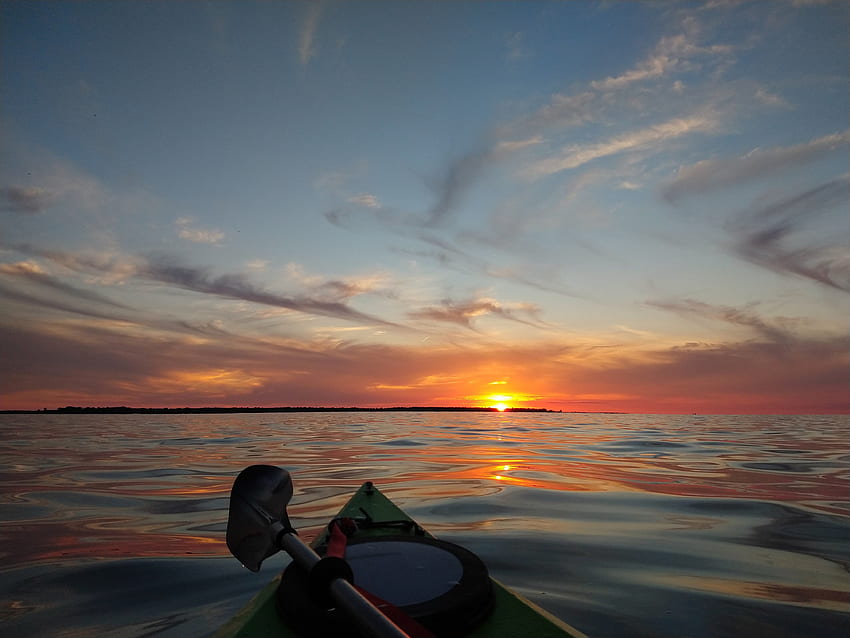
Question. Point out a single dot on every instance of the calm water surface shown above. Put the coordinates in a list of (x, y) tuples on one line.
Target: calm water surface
[(623, 525)]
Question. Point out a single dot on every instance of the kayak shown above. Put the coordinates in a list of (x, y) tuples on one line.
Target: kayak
[(443, 586)]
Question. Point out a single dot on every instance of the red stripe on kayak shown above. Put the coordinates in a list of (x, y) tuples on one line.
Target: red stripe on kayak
[(407, 624)]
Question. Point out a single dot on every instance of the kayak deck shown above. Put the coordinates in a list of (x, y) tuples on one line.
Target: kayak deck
[(512, 614)]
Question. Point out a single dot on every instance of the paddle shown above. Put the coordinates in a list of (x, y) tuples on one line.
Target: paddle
[(258, 526)]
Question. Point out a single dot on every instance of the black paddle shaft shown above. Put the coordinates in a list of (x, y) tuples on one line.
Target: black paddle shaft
[(337, 588)]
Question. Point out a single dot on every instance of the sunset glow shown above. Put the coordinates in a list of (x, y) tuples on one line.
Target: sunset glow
[(500, 402), (632, 207)]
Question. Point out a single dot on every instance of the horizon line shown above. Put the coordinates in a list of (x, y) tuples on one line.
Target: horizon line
[(236, 409)]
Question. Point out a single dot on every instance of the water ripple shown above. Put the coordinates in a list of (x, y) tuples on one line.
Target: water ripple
[(621, 524)]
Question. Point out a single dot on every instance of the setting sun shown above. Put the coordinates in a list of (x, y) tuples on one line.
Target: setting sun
[(499, 401)]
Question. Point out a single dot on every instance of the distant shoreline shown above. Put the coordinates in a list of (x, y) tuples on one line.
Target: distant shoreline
[(234, 410)]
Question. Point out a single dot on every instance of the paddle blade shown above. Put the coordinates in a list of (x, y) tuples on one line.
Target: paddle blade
[(258, 499)]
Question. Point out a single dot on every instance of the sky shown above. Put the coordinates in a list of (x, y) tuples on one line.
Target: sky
[(580, 206)]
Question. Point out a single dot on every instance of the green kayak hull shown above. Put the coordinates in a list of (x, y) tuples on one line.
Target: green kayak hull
[(512, 615)]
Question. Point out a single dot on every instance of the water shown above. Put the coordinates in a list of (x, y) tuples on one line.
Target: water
[(623, 525)]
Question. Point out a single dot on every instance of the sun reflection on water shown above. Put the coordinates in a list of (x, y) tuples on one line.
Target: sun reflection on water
[(160, 484), (719, 509)]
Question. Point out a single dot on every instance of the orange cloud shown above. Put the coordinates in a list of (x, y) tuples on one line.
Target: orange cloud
[(93, 365)]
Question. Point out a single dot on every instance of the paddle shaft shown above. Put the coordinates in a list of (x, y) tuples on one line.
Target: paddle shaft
[(352, 602)]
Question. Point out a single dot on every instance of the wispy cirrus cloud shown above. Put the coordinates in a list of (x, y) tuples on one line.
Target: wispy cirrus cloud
[(677, 53), (676, 91), (307, 34), (27, 283), (599, 101), (25, 199), (562, 110), (33, 273), (447, 252), (168, 270), (509, 146), (459, 175), (338, 289), (236, 286), (365, 199), (516, 46), (188, 231), (53, 182), (594, 103), (671, 57), (773, 237), (64, 304), (712, 174), (575, 155), (464, 312), (770, 331), (770, 99), (530, 137), (107, 267), (810, 3)]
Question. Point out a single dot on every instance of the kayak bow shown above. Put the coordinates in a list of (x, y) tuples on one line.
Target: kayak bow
[(443, 586)]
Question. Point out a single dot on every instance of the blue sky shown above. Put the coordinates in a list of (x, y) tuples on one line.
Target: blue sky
[(602, 206)]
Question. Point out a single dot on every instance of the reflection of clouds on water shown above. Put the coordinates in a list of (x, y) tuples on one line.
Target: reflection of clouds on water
[(602, 519)]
